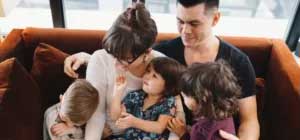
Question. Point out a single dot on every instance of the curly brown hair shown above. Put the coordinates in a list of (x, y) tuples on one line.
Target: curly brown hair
[(214, 87)]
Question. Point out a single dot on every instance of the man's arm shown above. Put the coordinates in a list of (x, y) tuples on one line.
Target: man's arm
[(249, 127)]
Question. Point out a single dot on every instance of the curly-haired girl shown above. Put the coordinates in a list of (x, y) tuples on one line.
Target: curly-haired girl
[(211, 91)]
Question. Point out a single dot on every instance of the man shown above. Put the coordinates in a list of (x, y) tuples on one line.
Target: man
[(195, 20)]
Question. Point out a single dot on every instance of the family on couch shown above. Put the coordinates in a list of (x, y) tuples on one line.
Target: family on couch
[(126, 57)]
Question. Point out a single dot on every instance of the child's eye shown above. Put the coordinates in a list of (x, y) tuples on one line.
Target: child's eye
[(154, 75)]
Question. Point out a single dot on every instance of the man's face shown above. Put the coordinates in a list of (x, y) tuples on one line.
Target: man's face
[(194, 24)]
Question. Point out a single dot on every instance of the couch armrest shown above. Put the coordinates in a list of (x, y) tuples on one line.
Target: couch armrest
[(10, 44), (283, 100)]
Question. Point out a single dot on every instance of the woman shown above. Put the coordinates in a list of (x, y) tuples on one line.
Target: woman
[(126, 51)]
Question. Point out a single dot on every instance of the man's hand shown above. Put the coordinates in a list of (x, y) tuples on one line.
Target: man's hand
[(177, 126), (61, 129), (73, 62), (125, 121)]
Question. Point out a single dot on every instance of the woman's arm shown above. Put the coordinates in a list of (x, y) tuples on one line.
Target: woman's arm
[(97, 76)]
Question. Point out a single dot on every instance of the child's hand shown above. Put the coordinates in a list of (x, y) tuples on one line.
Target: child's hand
[(61, 129), (120, 83), (227, 136), (106, 132), (125, 121), (177, 126), (173, 111)]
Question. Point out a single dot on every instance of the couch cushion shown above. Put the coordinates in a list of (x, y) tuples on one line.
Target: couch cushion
[(10, 47), (5, 70), (47, 70), (2, 92), (20, 107)]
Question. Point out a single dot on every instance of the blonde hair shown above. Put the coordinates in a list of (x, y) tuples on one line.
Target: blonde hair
[(80, 101)]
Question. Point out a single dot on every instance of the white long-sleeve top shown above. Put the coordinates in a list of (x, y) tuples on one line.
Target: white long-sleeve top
[(101, 73)]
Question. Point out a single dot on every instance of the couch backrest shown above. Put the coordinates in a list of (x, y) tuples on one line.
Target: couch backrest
[(69, 41), (72, 41)]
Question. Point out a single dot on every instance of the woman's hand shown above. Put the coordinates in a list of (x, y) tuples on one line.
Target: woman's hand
[(73, 62), (177, 126)]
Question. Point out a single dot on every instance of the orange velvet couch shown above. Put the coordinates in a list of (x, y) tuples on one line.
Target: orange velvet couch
[(278, 79)]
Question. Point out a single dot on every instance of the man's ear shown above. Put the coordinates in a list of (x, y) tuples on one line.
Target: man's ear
[(216, 18)]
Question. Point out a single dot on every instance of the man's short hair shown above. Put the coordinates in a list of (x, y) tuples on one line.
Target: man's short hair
[(208, 3)]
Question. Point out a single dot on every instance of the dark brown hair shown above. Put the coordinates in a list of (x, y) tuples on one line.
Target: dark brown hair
[(214, 87), (209, 4), (133, 32), (170, 70), (80, 101)]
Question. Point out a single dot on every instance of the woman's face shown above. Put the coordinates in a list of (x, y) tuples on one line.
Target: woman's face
[(125, 64), (131, 62), (153, 83)]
